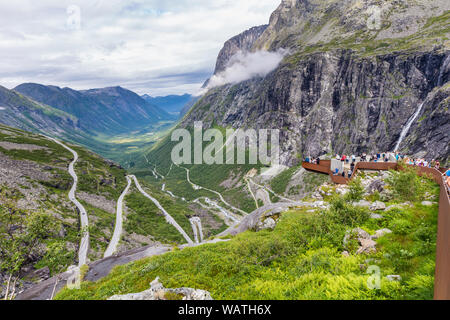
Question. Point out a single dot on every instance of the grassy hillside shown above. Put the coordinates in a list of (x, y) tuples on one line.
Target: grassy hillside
[(301, 259), (34, 179)]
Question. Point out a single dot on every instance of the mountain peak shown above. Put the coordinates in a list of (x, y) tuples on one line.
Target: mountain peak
[(297, 23)]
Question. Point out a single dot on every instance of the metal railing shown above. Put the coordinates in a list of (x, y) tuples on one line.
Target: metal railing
[(442, 276)]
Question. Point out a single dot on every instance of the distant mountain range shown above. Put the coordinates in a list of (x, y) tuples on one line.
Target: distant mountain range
[(78, 116), (173, 104), (108, 110)]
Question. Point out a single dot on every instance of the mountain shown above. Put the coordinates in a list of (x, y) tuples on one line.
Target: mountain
[(173, 104), (35, 184), (350, 82), (19, 111), (341, 87), (293, 251), (109, 111), (241, 42), (353, 78)]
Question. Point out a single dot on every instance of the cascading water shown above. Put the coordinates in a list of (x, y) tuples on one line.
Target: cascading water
[(443, 69), (407, 127)]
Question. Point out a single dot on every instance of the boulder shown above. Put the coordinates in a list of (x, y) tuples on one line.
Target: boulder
[(362, 234), (362, 203), (367, 246), (359, 233), (158, 292), (40, 275), (381, 233), (427, 203), (268, 223), (378, 206), (106, 182), (376, 216), (376, 186)]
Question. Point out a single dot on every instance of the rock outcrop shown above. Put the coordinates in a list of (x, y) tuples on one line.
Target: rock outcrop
[(243, 42), (366, 242), (158, 292)]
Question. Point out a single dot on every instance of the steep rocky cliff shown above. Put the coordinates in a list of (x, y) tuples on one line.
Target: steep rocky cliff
[(357, 72), (241, 42)]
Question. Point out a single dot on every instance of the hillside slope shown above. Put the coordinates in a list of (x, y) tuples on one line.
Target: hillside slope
[(34, 186), (319, 254)]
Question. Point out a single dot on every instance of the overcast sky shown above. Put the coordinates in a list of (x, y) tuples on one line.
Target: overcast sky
[(149, 46)]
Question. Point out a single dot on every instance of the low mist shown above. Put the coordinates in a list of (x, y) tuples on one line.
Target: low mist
[(245, 66)]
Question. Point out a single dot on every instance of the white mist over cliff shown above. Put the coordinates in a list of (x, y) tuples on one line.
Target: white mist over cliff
[(246, 65)]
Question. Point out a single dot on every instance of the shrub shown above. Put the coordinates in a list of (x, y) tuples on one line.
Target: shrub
[(406, 184), (356, 190), (343, 212)]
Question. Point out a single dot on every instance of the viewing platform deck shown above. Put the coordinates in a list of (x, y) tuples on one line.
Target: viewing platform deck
[(442, 277)]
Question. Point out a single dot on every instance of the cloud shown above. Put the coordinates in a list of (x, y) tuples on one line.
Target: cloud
[(246, 65), (149, 46)]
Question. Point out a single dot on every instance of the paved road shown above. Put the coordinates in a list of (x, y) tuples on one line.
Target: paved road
[(84, 245), (272, 192), (169, 218), (197, 187), (196, 224), (112, 247)]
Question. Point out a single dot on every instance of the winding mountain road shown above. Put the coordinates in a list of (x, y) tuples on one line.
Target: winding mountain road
[(169, 218), (84, 244), (272, 192), (112, 247), (197, 187)]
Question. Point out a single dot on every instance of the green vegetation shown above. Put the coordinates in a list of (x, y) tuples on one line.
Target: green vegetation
[(356, 190), (309, 182), (146, 219), (301, 259), (97, 177), (364, 42), (21, 236), (57, 257), (406, 184), (280, 182)]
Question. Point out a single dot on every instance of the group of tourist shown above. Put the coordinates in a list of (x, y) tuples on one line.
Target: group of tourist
[(381, 157), (447, 179)]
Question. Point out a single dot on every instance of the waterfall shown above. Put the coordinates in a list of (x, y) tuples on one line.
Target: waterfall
[(443, 69), (407, 127)]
